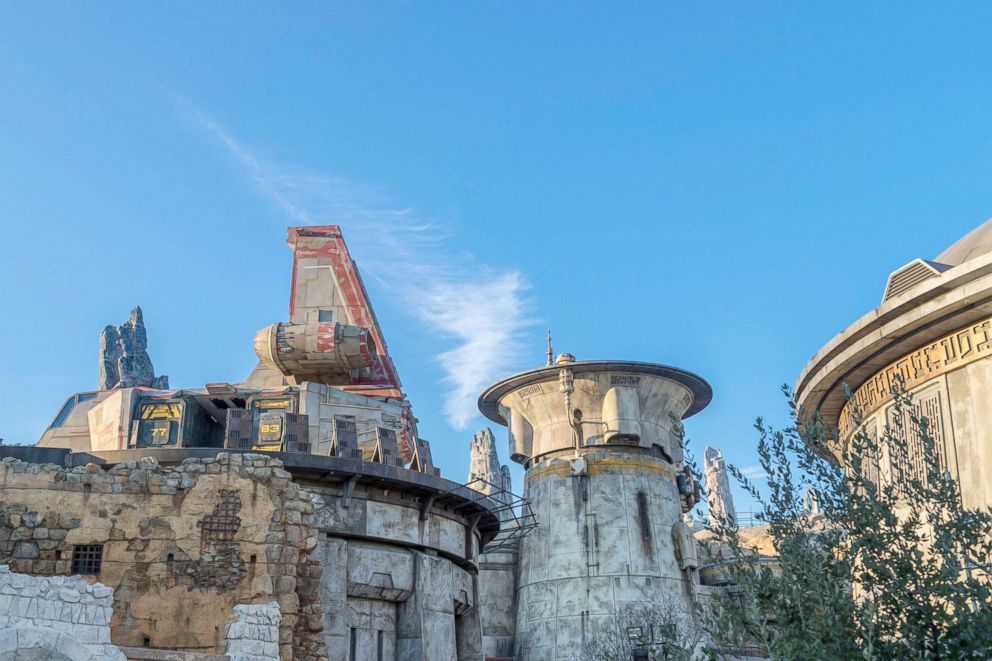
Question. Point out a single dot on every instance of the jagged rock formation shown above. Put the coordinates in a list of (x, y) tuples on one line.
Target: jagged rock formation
[(507, 480), (717, 485), (124, 360), (484, 465), (811, 502)]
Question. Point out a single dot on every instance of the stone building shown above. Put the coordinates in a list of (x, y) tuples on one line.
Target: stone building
[(606, 480), (932, 330), (298, 514), (294, 515)]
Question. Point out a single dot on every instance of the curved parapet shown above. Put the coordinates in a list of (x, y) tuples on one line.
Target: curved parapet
[(430, 492), (933, 335), (611, 403), (605, 481)]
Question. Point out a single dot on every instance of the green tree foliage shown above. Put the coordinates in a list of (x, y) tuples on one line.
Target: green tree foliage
[(894, 566), (661, 629)]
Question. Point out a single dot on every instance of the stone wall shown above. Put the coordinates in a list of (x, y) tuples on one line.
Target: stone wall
[(55, 617), (181, 545), (254, 633), (391, 580), (604, 540), (498, 601)]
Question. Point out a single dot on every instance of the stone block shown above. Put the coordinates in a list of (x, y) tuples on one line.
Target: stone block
[(25, 550)]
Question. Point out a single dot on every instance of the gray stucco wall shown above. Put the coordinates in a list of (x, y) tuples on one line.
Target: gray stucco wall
[(605, 540)]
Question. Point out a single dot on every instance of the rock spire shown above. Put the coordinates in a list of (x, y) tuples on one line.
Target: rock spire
[(717, 485), (494, 479), (124, 360)]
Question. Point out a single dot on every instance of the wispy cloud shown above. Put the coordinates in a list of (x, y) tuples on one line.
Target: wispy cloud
[(482, 310), (755, 472)]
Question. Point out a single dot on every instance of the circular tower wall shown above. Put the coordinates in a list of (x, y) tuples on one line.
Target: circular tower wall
[(932, 333), (602, 469)]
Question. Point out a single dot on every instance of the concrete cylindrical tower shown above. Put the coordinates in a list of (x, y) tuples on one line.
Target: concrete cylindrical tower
[(603, 475)]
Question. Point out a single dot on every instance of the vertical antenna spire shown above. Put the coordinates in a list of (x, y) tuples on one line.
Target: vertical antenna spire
[(550, 353)]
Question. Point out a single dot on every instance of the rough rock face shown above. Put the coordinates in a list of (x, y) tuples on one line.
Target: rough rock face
[(507, 480), (484, 465), (254, 633), (124, 360), (55, 617), (718, 496), (811, 502)]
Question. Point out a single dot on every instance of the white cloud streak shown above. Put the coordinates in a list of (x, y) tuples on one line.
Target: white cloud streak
[(481, 310), (755, 472)]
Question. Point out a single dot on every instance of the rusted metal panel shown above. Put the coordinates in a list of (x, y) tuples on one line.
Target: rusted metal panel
[(238, 432), (296, 436)]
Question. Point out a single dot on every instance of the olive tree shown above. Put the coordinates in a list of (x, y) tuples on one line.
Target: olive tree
[(664, 629), (894, 567)]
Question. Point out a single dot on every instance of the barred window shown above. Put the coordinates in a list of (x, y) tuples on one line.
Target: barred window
[(87, 558), (872, 454), (912, 463)]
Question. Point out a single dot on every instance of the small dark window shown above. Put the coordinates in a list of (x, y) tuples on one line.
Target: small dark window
[(325, 315), (63, 414), (170, 557), (253, 559), (87, 558), (146, 641)]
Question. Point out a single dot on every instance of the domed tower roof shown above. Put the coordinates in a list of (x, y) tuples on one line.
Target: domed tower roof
[(976, 242)]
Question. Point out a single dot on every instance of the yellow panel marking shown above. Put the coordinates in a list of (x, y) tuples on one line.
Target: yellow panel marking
[(602, 465), (167, 411), (271, 403)]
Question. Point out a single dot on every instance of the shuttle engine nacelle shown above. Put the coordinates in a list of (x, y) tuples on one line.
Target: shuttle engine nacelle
[(319, 351)]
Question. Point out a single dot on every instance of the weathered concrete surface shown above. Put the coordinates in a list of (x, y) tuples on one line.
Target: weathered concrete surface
[(603, 462), (379, 590), (414, 606), (124, 359), (621, 402), (604, 539), (498, 601), (440, 620), (55, 617)]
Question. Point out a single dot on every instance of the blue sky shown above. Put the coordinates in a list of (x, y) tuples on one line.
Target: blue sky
[(721, 187)]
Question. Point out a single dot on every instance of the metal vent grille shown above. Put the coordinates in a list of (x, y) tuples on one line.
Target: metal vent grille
[(87, 558), (904, 279)]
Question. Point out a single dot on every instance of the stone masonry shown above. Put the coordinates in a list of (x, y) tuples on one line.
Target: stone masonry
[(55, 616), (254, 633), (181, 545)]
